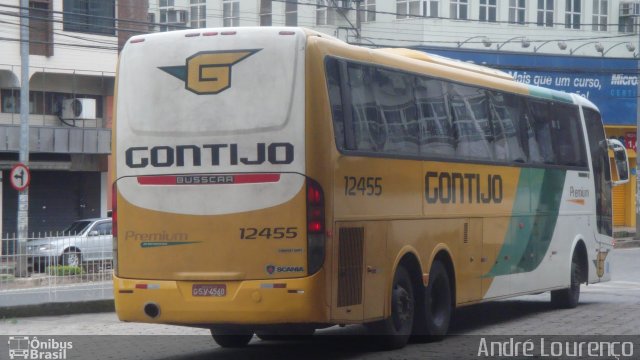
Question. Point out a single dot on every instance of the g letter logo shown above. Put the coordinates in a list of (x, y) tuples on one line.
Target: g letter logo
[(208, 72)]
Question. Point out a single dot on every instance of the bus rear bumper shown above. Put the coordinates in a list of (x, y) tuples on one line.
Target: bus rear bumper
[(255, 302)]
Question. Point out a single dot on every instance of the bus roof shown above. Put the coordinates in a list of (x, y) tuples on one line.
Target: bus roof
[(437, 59)]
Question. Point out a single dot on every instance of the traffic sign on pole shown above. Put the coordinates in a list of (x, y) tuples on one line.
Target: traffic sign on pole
[(20, 177)]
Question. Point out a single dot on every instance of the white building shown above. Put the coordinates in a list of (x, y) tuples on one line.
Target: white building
[(73, 55), (577, 27)]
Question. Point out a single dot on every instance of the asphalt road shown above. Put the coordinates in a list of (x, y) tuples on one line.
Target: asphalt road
[(607, 312)]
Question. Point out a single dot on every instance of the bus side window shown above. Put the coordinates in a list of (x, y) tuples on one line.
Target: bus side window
[(393, 92), (541, 125), (369, 128), (436, 136), (504, 121), (470, 122), (332, 70), (528, 136), (567, 135)]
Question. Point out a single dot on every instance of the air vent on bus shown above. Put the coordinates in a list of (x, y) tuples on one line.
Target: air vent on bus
[(350, 260)]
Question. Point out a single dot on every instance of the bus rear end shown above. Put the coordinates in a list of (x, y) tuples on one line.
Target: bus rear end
[(215, 221)]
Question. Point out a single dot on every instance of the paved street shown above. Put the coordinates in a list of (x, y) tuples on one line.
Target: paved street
[(606, 309)]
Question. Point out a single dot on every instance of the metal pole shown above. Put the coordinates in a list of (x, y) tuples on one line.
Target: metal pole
[(358, 20), (23, 196)]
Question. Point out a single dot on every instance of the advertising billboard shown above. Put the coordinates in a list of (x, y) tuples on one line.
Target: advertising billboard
[(610, 83)]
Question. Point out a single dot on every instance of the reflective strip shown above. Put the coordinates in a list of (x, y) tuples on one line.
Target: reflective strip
[(208, 179)]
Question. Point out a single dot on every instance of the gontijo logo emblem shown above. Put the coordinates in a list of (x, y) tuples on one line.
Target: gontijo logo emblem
[(208, 72)]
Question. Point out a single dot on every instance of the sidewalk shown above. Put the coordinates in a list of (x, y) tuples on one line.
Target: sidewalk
[(48, 295)]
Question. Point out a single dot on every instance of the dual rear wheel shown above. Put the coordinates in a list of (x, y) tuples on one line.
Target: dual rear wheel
[(416, 312)]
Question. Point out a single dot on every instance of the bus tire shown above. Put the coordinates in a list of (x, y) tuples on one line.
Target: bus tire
[(231, 338), (438, 305), (396, 329), (568, 298)]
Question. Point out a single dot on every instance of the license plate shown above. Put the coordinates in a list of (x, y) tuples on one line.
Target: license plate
[(209, 290)]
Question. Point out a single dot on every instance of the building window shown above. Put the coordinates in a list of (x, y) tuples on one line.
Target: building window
[(600, 15), (89, 16), (517, 11), (325, 13), (572, 14), (370, 10), (431, 8), (231, 13), (626, 20), (198, 13), (41, 24), (545, 13), (458, 9), (407, 8), (265, 13), (488, 10), (151, 19), (291, 14)]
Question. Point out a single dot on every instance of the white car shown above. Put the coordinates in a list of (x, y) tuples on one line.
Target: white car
[(83, 241)]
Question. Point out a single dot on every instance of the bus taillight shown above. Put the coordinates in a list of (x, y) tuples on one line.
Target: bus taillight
[(315, 227), (114, 226), (114, 210)]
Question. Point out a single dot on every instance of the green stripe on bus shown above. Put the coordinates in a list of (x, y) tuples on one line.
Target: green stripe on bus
[(529, 236), (550, 94)]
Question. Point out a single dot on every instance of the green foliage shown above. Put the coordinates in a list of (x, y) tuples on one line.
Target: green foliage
[(64, 270)]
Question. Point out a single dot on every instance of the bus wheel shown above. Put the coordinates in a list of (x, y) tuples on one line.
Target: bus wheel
[(231, 337), (396, 329), (568, 298), (438, 306)]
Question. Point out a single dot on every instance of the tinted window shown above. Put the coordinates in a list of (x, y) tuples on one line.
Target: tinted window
[(601, 171), (505, 115), (369, 127), (386, 111), (470, 119), (566, 132), (335, 100), (540, 124), (434, 121), (394, 96)]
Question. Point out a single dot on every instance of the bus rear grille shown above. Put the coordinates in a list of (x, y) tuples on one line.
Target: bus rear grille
[(350, 270)]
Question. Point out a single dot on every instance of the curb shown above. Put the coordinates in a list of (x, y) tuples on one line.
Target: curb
[(57, 308)]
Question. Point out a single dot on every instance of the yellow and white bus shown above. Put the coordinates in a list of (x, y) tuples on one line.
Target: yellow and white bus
[(278, 180)]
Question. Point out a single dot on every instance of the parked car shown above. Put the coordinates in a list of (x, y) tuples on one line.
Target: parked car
[(83, 241)]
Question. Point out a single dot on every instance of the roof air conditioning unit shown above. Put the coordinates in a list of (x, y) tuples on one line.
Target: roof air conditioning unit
[(81, 109)]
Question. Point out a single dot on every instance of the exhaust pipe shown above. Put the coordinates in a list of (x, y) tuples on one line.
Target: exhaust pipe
[(152, 310)]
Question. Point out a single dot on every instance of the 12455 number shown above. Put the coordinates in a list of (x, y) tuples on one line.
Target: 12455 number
[(268, 233), (369, 186)]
